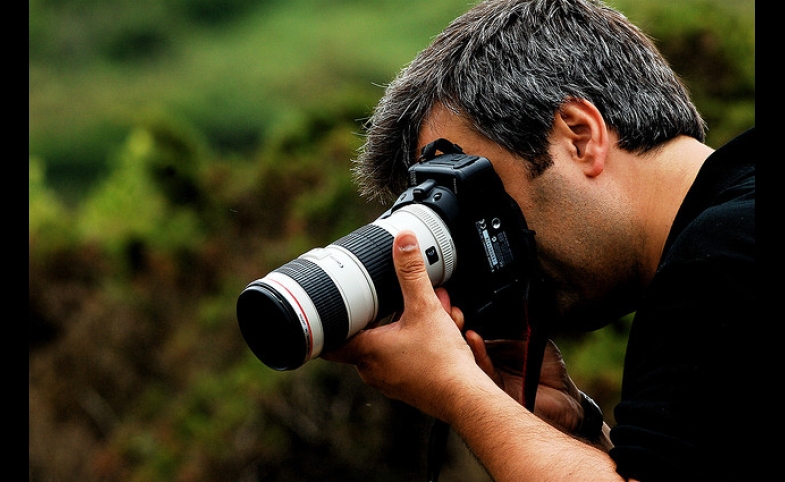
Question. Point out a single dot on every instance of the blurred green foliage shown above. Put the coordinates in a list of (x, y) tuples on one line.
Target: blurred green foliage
[(179, 150)]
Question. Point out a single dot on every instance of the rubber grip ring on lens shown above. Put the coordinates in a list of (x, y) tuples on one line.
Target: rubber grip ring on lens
[(439, 231), (372, 246), (325, 296)]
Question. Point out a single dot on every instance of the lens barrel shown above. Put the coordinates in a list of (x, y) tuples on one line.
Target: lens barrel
[(317, 301)]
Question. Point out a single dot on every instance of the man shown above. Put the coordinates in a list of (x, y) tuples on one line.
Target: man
[(596, 139)]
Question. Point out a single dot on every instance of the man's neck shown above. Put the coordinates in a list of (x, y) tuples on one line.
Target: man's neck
[(663, 179)]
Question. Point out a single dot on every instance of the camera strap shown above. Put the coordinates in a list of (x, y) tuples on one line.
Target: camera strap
[(442, 145), (437, 449)]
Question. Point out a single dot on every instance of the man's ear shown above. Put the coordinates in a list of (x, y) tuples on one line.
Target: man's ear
[(579, 123)]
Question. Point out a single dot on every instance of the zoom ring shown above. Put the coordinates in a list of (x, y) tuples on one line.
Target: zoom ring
[(372, 245), (325, 297)]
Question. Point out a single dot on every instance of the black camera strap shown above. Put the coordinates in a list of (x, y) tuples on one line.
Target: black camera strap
[(442, 145), (437, 449)]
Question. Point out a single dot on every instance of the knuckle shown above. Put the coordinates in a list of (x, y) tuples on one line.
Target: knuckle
[(412, 268)]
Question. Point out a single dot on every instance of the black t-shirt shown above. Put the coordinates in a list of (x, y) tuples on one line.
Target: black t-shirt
[(683, 403)]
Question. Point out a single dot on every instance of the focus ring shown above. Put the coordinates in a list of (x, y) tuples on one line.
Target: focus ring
[(372, 246), (325, 296), (439, 231)]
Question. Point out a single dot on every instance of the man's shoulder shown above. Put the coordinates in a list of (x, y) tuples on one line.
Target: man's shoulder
[(721, 233), (717, 218)]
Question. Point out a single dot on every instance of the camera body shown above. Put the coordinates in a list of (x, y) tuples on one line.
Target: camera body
[(496, 251), (474, 241)]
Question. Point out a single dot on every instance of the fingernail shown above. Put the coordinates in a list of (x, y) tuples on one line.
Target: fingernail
[(407, 242)]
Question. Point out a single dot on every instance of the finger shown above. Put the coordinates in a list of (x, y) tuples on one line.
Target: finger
[(345, 353), (444, 298), (457, 315), (481, 357), (357, 348), (507, 353), (415, 284)]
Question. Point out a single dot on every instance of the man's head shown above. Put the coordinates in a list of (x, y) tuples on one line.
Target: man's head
[(589, 129), (507, 66)]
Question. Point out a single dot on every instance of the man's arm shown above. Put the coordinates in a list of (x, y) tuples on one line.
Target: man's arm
[(559, 402), (423, 360), (514, 445)]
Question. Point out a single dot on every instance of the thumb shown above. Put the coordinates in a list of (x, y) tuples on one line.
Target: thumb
[(416, 287)]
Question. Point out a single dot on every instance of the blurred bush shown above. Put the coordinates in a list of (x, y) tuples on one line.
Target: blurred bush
[(175, 155)]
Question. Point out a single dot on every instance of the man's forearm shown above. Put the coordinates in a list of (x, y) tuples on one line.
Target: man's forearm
[(515, 445)]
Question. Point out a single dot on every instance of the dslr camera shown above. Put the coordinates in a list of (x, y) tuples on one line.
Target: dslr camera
[(474, 241)]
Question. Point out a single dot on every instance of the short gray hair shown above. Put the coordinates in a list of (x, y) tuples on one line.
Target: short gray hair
[(507, 66)]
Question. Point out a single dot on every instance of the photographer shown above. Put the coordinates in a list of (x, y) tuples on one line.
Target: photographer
[(597, 140)]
